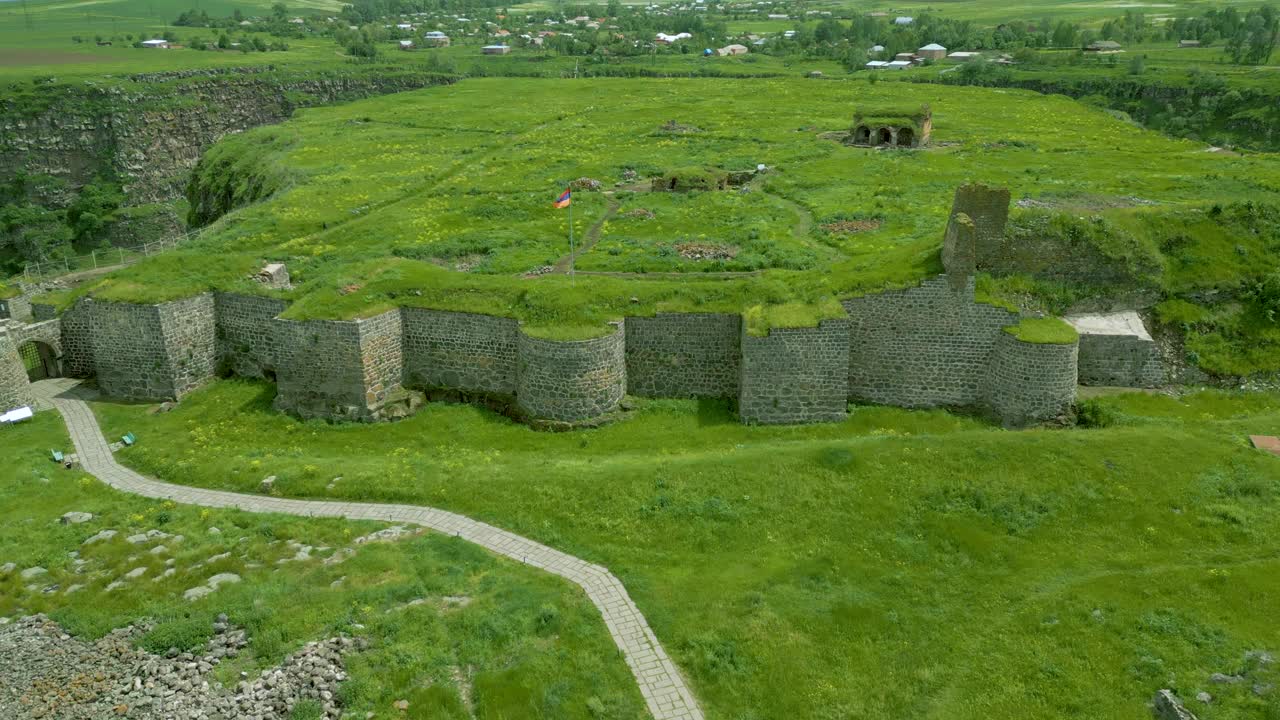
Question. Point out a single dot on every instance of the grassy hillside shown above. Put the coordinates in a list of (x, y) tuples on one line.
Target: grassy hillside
[(889, 566), (443, 197), (531, 646)]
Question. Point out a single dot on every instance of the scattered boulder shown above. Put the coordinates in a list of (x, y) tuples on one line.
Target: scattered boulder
[(210, 585), (1221, 679), (104, 535), (391, 534), (75, 518), (1167, 706), (7, 568), (32, 572), (268, 483)]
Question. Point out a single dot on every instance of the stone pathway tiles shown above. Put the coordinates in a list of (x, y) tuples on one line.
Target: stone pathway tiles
[(1269, 443), (663, 688)]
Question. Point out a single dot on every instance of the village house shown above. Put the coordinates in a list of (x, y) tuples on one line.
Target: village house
[(932, 51), (875, 49), (963, 56), (406, 44), (1103, 46), (156, 43), (904, 20), (1188, 43), (732, 50), (435, 38), (495, 50)]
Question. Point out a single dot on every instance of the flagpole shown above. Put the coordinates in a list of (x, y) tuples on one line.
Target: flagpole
[(572, 259)]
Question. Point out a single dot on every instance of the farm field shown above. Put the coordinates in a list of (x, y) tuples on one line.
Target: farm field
[(886, 566), (454, 631), (442, 197)]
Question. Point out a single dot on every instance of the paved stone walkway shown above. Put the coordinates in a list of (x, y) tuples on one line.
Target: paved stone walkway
[(664, 690)]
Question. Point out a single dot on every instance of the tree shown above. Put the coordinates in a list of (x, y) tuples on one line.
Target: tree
[(1137, 65), (279, 11)]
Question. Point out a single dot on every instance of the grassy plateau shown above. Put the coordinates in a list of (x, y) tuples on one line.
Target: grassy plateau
[(442, 197), (894, 565)]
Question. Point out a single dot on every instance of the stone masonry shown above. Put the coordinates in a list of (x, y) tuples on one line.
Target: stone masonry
[(684, 355), (1030, 383), (795, 375), (153, 352), (15, 391), (571, 381), (320, 373), (1117, 350), (248, 345), (459, 351), (926, 346)]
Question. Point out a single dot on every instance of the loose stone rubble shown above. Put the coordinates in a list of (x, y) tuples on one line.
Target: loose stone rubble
[(49, 674)]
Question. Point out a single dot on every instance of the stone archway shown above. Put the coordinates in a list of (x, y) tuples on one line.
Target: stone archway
[(862, 135), (884, 136), (40, 360), (906, 137)]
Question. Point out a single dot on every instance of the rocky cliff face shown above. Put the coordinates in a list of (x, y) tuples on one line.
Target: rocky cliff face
[(151, 131)]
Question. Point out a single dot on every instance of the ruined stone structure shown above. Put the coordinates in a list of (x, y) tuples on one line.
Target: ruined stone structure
[(795, 375), (571, 381), (684, 355), (892, 128), (15, 391), (931, 345), (1029, 383), (1117, 350)]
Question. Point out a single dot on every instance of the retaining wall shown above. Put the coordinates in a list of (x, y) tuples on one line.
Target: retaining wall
[(248, 344), (1120, 360), (153, 352), (320, 373), (684, 355), (15, 391), (795, 375), (76, 326), (459, 351), (925, 346), (922, 347), (1030, 383), (571, 381)]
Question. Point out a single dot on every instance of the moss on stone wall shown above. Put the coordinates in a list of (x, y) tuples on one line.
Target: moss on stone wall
[(1044, 331)]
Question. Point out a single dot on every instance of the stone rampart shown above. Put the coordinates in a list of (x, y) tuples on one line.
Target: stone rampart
[(931, 345), (926, 346), (77, 338), (248, 344), (338, 369), (15, 391), (1030, 383), (1120, 360), (382, 359), (459, 351), (571, 381), (684, 355), (795, 375), (153, 352), (320, 373)]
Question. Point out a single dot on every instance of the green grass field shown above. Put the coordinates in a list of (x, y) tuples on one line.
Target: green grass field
[(532, 646), (897, 564), (380, 201)]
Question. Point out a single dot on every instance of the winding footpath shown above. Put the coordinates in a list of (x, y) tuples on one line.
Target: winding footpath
[(664, 691)]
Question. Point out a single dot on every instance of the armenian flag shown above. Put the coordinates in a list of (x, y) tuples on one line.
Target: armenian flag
[(565, 199)]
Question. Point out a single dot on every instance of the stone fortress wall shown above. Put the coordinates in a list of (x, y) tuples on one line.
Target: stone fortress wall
[(931, 345)]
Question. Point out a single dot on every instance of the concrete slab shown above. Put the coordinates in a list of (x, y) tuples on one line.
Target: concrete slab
[(1121, 323)]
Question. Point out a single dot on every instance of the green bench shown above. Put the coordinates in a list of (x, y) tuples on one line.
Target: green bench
[(56, 455), (128, 440)]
